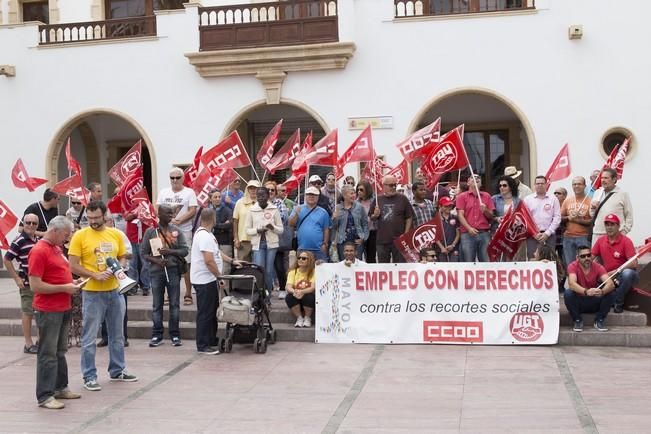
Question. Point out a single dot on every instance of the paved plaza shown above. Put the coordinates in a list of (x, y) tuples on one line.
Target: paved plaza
[(312, 388)]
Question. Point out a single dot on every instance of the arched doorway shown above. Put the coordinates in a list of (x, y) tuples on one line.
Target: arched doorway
[(255, 121), (497, 134), (99, 138)]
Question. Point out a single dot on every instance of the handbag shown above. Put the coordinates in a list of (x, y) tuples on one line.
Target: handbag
[(295, 239), (235, 310)]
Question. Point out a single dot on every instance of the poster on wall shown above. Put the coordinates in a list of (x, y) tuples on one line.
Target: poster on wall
[(494, 303)]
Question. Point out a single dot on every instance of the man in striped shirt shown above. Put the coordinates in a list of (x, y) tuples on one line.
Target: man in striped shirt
[(424, 209), (18, 251)]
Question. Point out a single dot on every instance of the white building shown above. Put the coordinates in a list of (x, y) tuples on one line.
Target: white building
[(525, 78)]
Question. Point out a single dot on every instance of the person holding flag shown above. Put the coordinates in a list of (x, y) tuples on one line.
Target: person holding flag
[(394, 216), (546, 212), (476, 213), (613, 201)]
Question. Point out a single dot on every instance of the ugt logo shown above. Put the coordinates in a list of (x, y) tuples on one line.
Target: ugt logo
[(527, 326)]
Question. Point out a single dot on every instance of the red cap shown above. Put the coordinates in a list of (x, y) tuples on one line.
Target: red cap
[(612, 218), (446, 201)]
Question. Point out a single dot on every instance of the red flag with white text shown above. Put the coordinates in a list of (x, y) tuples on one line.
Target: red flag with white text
[(230, 153), (73, 165), (286, 154), (360, 150), (133, 190), (324, 152), (147, 213), (400, 172), (21, 179), (447, 155), (620, 158), (191, 173), (610, 162), (209, 180), (422, 237), (560, 168), (299, 165), (292, 183), (73, 187), (514, 228), (420, 143), (8, 221), (266, 151), (127, 164)]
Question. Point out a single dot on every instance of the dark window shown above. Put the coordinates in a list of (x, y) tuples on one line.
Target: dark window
[(127, 8), (611, 140), (36, 11)]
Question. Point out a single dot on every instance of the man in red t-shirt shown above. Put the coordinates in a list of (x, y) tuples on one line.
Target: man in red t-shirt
[(613, 250), (51, 280), (586, 294), (476, 212)]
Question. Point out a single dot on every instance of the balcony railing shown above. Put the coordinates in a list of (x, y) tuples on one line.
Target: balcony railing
[(290, 22), (412, 8), (97, 30)]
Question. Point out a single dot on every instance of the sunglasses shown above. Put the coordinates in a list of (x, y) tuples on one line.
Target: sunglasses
[(587, 255), (76, 203), (302, 258), (350, 183), (271, 190), (558, 193), (504, 185), (360, 189), (175, 178), (32, 223)]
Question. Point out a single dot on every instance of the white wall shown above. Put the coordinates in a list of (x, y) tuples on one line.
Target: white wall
[(569, 91)]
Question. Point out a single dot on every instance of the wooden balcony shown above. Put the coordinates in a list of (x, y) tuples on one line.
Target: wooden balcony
[(291, 22), (416, 8), (97, 30)]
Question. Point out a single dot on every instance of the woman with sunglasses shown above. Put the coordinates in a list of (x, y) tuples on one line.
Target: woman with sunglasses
[(506, 199), (367, 200), (281, 261), (300, 286)]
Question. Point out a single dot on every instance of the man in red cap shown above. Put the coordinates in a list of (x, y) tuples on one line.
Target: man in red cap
[(613, 250)]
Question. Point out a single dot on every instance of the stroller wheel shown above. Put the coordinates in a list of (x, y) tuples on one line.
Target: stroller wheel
[(256, 345), (263, 346), (228, 345), (271, 336), (222, 346)]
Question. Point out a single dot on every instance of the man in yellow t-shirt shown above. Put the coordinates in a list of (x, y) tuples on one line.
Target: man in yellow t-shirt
[(89, 250)]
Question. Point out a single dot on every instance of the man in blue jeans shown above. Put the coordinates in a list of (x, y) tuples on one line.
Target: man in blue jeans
[(475, 209), (90, 249)]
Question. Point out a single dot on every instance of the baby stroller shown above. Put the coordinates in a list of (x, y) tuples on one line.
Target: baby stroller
[(244, 309)]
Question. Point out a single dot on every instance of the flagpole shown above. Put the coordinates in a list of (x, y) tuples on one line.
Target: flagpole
[(263, 177), (622, 267)]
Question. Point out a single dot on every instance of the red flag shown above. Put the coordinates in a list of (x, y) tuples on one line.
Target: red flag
[(360, 150), (147, 213), (73, 187), (610, 162), (285, 155), (420, 143), (516, 226), (424, 236), (191, 173), (374, 172), (266, 151), (115, 204), (21, 179), (400, 172), (73, 165), (447, 155), (8, 221), (133, 190), (210, 180), (127, 164), (299, 166), (292, 183), (324, 152), (560, 168), (227, 154), (620, 158)]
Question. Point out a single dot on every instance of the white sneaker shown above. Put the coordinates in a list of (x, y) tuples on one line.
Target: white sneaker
[(282, 295), (299, 322), (307, 322)]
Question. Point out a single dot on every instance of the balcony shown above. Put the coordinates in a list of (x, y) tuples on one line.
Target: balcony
[(51, 34), (419, 8), (291, 22)]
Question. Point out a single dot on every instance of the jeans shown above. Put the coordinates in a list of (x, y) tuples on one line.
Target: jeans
[(475, 246), (359, 251), (207, 303), (265, 258), (577, 304), (158, 284), (388, 253), (99, 305), (51, 365), (627, 278), (281, 264), (124, 323), (570, 245), (139, 269), (370, 247)]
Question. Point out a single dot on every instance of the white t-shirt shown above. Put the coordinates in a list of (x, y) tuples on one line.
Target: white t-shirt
[(357, 263), (180, 201), (204, 241)]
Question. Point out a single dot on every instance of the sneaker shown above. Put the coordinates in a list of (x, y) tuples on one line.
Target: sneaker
[(128, 378), (92, 385), (66, 394), (52, 404), (155, 341), (126, 343), (299, 322), (578, 325), (145, 291), (102, 343), (599, 325), (210, 351), (282, 295), (619, 308), (307, 322), (176, 342)]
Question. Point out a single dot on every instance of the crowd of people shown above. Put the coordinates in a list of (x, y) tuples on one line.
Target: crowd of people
[(355, 223)]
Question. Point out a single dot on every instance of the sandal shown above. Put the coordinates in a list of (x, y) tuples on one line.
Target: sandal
[(30, 350), (187, 300)]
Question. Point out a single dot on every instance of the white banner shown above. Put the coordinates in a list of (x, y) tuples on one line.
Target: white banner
[(453, 303)]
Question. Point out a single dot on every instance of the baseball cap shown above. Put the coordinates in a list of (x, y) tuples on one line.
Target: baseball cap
[(312, 190), (445, 201), (611, 218), (253, 183), (315, 178)]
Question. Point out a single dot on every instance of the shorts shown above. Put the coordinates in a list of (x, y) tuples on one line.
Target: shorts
[(26, 300), (188, 240)]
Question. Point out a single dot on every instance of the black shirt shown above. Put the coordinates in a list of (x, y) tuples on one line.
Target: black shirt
[(44, 215)]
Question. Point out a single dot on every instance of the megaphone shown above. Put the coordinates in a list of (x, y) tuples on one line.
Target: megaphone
[(126, 283)]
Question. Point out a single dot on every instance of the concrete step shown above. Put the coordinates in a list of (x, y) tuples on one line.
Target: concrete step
[(626, 318), (616, 336)]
